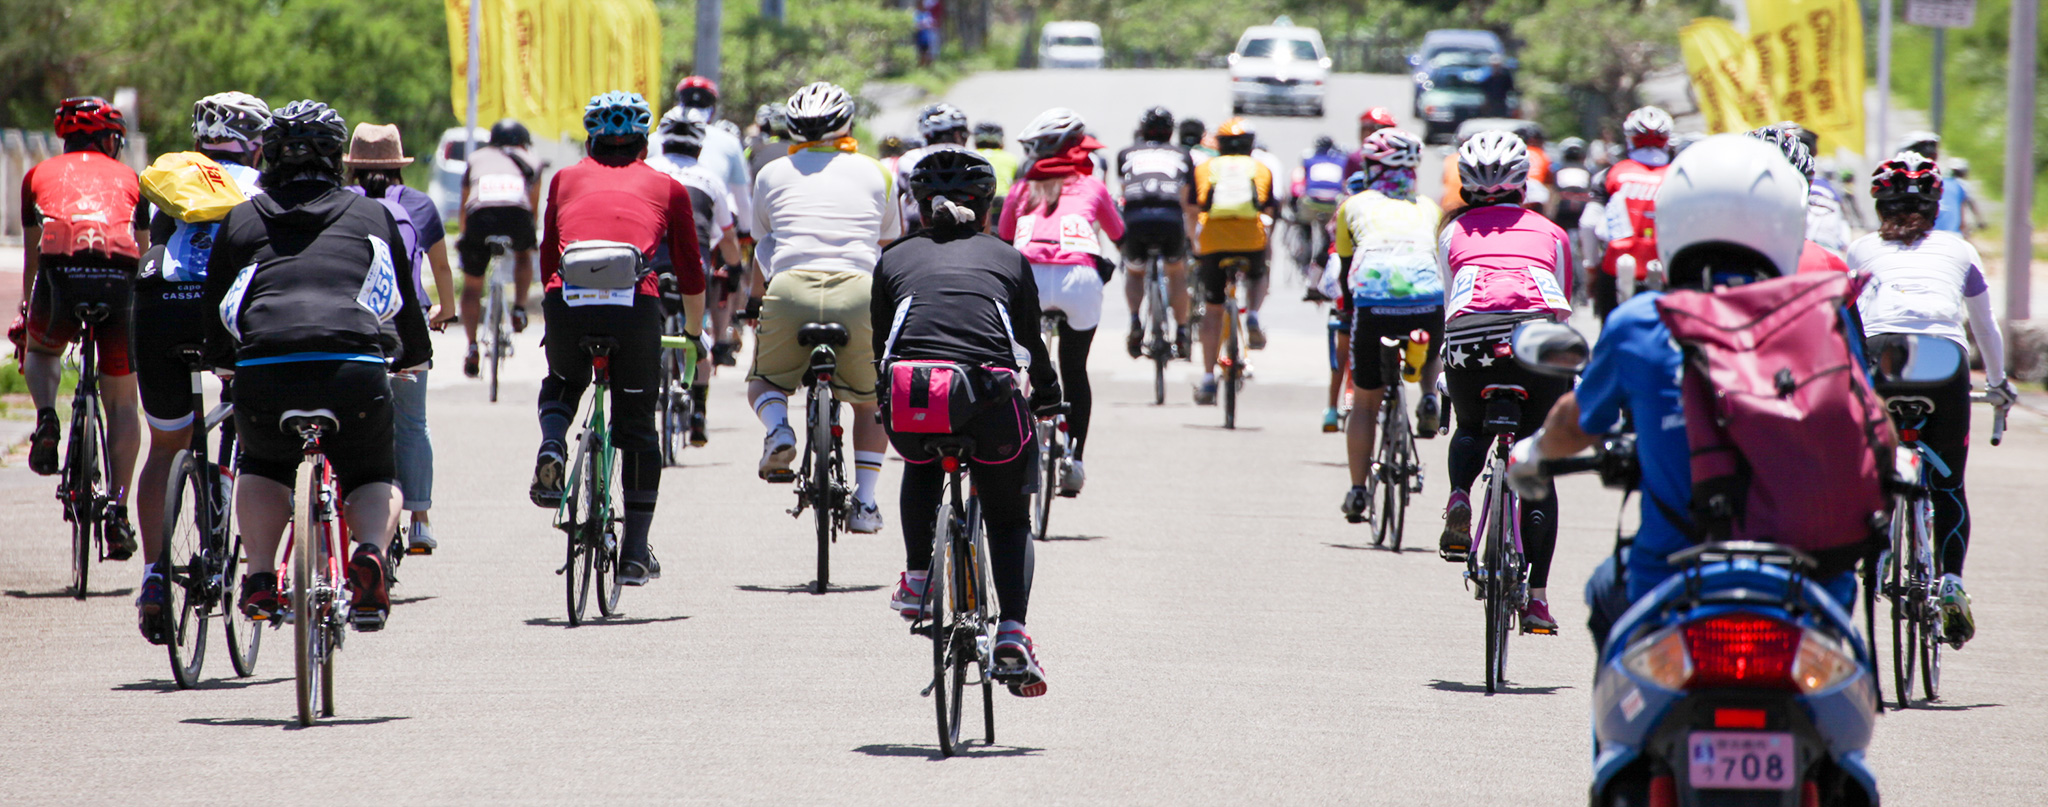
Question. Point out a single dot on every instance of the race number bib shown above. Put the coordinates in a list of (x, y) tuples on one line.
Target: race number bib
[(500, 189), (1077, 234), (578, 296)]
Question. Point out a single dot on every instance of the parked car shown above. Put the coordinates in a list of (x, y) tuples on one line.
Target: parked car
[(1461, 74), (1279, 68), (1071, 44), (450, 161)]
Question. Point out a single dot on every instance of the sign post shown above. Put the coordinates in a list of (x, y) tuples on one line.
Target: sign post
[(1940, 15)]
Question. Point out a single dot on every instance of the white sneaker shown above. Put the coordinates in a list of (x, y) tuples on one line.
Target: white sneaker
[(420, 539), (909, 597), (777, 452), (1958, 626), (865, 518), (1071, 478)]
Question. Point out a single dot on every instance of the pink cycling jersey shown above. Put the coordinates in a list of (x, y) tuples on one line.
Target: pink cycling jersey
[(1067, 234), (1505, 259)]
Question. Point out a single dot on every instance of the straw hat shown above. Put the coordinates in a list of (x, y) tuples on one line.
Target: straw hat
[(376, 146)]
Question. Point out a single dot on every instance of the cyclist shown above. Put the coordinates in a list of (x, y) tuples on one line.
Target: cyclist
[(825, 212), (1194, 138), (307, 279), (1732, 219), (1156, 178), (950, 293), (1505, 264), (944, 127), (1235, 195), (612, 197), (1815, 258), (682, 143), (84, 227), (1058, 220), (1574, 179), (1386, 253), (1925, 280), (500, 193), (1372, 120), (1826, 224), (1318, 188), (773, 142), (723, 153), (988, 142), (1623, 213), (1955, 197)]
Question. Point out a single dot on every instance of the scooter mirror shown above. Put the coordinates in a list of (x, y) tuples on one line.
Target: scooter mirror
[(1914, 358), (1550, 348)]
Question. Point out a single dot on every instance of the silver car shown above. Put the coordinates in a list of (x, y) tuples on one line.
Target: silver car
[(1279, 69)]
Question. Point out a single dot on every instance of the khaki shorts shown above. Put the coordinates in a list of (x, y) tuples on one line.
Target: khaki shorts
[(797, 297)]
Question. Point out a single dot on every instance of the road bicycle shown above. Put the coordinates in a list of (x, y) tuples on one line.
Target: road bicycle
[(1160, 342), (1054, 444), (320, 595), (494, 339), (821, 482), (82, 487), (1396, 472), (1230, 363), (1498, 572), (202, 552), (959, 613), (589, 515), (673, 399)]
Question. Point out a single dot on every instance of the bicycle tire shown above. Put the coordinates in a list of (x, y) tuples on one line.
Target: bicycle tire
[(606, 551), (80, 482), (670, 451), (1930, 622), (823, 491), (305, 558), (1497, 586), (984, 620), (1899, 589), (1405, 445), (1162, 313), (1049, 454), (1231, 369), (581, 511), (244, 636), (941, 603), (496, 321), (188, 585)]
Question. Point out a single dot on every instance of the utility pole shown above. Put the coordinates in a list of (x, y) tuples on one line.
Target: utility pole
[(2019, 159), (1939, 96), (1884, 79), (710, 20), (469, 123)]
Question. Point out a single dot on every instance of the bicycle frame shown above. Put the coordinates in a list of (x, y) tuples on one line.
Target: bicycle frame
[(82, 491), (494, 325), (586, 532), (821, 483), (961, 625), (1913, 564), (313, 562)]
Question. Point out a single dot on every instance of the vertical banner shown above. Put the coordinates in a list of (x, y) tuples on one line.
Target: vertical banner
[(541, 60), (1811, 54), (1726, 78)]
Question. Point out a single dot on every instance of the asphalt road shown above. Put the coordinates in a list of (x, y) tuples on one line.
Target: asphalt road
[(1213, 631)]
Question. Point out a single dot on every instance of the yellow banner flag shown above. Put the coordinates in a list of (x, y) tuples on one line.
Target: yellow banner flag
[(540, 61), (1725, 77), (1810, 52)]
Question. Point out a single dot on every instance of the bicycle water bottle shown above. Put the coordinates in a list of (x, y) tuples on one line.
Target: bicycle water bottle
[(1418, 354)]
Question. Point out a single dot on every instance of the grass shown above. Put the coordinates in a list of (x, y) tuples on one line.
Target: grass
[(14, 401)]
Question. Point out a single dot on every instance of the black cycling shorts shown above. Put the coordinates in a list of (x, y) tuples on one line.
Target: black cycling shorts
[(513, 222), (1149, 232), (363, 451), (1212, 272), (1368, 327), (167, 316), (53, 322)]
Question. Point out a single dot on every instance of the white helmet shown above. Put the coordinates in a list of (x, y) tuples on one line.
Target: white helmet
[(1052, 130), (1647, 127), (1493, 163), (940, 118), (1922, 142), (820, 111), (1392, 148), (229, 116), (1730, 190)]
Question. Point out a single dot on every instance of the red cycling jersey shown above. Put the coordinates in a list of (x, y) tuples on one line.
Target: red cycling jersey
[(624, 200), (85, 201), (1634, 185)]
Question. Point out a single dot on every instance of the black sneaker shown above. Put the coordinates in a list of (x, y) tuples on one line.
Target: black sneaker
[(1356, 500), (120, 534), (546, 490), (261, 600), (42, 444), (1134, 341), (370, 601), (1428, 418), (634, 572), (697, 436), (473, 362), (1183, 344), (153, 609)]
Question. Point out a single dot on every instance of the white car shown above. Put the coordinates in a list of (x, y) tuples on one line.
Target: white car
[(1281, 68), (450, 162), (1071, 44)]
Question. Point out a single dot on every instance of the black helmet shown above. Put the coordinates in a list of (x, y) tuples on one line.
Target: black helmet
[(305, 134), (988, 134), (1324, 144), (1191, 132), (1156, 124), (509, 133), (961, 176)]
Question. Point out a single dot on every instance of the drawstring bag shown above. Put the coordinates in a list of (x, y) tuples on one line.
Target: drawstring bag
[(191, 187)]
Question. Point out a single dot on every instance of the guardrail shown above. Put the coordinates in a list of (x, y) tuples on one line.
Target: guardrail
[(20, 150)]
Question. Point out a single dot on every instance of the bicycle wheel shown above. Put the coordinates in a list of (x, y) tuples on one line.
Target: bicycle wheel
[(1232, 357), (604, 555), (244, 636), (1393, 483), (496, 320), (984, 616), (824, 493), (1048, 447), (942, 602), (186, 571), (1904, 604), (1162, 352), (81, 480), (306, 574), (1497, 593), (671, 429), (1930, 611), (576, 521)]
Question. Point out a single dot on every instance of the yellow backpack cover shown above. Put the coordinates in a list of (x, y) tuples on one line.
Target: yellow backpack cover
[(191, 187)]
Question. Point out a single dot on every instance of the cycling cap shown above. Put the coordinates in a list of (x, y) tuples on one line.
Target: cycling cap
[(1572, 148), (677, 129), (1156, 121), (1392, 148), (1493, 163), (236, 116), (1053, 130), (1376, 118), (305, 132), (820, 111), (1787, 142), (616, 114), (509, 133), (1908, 175), (1324, 145), (988, 134), (940, 118), (1730, 190), (88, 115), (1648, 127)]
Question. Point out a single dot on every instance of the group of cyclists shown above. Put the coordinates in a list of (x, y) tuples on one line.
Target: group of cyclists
[(310, 295)]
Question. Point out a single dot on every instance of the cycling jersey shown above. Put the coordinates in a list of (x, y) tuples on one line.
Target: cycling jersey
[(726, 156), (1323, 179), (1005, 164), (88, 205), (625, 200), (496, 176), (1392, 247), (1631, 226), (824, 209), (1505, 259), (1825, 224), (710, 201), (1066, 234), (1931, 286), (969, 299), (1955, 195), (1232, 190), (1154, 176)]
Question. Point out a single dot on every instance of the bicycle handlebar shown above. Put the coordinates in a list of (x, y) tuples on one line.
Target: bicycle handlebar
[(1997, 416)]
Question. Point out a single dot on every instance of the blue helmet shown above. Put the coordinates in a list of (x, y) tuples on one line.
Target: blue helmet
[(617, 114), (1355, 183)]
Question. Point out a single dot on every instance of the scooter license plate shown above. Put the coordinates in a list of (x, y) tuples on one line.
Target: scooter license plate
[(1742, 760)]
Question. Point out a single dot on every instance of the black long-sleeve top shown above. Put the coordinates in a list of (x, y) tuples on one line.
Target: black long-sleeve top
[(958, 297)]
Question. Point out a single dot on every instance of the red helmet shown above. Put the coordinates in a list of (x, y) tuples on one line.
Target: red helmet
[(1375, 119), (697, 91), (1909, 175), (88, 115)]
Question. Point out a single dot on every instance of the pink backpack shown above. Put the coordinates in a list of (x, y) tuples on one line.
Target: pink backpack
[(1789, 441)]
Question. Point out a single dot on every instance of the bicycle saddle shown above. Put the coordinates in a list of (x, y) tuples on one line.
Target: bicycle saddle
[(1505, 390), (92, 312), (598, 345), (950, 445), (499, 243), (823, 333), (298, 421)]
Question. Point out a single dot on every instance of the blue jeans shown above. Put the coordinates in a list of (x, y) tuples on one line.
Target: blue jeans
[(415, 443)]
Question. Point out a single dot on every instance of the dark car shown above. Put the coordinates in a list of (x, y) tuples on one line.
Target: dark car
[(1461, 74)]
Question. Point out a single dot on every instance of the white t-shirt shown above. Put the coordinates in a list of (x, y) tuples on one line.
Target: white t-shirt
[(1919, 287), (824, 209), (726, 157), (694, 174)]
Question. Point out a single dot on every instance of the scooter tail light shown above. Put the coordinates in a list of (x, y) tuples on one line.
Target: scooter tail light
[(1742, 650), (1823, 662), (1661, 659)]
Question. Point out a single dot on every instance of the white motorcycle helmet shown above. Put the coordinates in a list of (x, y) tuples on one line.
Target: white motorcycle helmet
[(1730, 190)]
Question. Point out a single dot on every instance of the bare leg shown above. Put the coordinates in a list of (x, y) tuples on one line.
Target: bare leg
[(1212, 336), (372, 513), (1134, 287), (472, 306), (1361, 431), (1342, 369), (262, 509), (522, 276), (868, 434), (43, 370), (149, 495), (124, 432), (1177, 289)]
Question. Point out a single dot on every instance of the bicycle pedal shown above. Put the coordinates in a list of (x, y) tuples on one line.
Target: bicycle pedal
[(1539, 631), (419, 550), (782, 477), (367, 621), (1451, 556)]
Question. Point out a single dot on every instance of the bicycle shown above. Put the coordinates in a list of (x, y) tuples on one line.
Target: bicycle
[(320, 599), (1500, 570), (1159, 345), (82, 488), (1230, 364), (202, 552), (588, 514), (1396, 473), (958, 615), (821, 483), (1054, 444), (674, 403), (495, 337)]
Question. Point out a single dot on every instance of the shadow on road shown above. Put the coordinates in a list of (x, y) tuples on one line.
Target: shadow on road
[(1219, 427), (805, 588), (1949, 707), (411, 600), (1362, 548), (167, 685), (1075, 537), (968, 750), (1441, 685), (65, 593), (1326, 463), (288, 724), (560, 622)]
